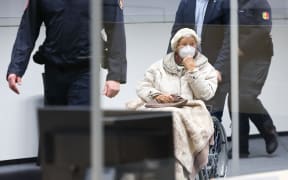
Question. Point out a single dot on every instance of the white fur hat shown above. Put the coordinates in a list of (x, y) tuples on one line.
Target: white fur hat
[(184, 32)]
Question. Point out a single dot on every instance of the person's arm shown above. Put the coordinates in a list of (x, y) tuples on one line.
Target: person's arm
[(115, 61), (223, 59), (116, 41), (26, 36), (202, 80), (146, 88)]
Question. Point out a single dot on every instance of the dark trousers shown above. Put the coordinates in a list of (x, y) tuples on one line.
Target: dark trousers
[(252, 76), (216, 104), (66, 86)]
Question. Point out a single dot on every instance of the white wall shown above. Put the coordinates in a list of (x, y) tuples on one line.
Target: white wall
[(146, 43), (18, 129)]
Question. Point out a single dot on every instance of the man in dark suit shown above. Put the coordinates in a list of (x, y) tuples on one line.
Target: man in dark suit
[(210, 19)]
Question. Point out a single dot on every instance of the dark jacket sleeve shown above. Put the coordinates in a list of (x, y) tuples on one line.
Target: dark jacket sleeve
[(116, 41), (222, 62), (25, 40)]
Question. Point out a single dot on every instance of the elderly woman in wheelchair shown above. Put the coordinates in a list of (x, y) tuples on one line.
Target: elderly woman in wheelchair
[(180, 82)]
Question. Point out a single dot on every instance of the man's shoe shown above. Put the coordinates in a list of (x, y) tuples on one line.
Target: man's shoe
[(241, 155), (271, 140)]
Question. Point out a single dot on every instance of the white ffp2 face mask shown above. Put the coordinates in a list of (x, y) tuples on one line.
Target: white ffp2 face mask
[(187, 51)]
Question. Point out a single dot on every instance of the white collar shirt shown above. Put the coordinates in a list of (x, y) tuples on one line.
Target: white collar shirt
[(201, 6)]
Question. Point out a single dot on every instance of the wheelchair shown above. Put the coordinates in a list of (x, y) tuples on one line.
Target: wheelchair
[(218, 154), (161, 169)]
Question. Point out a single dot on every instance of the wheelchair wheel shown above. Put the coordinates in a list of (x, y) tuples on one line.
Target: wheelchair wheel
[(202, 175), (219, 152), (217, 159)]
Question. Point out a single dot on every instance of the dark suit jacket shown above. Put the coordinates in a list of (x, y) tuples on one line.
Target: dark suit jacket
[(215, 40), (67, 38)]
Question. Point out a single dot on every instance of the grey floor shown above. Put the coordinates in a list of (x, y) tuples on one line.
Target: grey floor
[(260, 161)]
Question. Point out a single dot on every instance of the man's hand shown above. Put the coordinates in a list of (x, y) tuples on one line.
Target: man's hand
[(240, 52), (219, 76), (14, 81), (111, 88), (164, 98)]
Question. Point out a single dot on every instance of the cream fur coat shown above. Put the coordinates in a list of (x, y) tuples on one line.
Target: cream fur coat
[(192, 124)]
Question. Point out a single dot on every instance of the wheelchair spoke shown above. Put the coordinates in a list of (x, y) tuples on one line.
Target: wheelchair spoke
[(217, 159)]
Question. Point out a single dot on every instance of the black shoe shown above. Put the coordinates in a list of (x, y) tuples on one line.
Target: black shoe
[(271, 141), (241, 155)]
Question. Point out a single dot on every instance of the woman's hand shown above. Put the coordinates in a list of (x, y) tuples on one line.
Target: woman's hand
[(189, 63), (164, 98)]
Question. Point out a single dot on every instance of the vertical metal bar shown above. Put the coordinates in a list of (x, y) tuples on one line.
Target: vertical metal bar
[(96, 115), (234, 86)]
